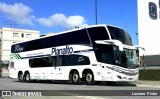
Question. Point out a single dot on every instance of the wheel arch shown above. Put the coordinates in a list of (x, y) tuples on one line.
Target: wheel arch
[(20, 72), (85, 71), (26, 72), (72, 71)]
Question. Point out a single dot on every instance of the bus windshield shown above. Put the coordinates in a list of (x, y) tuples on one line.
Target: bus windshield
[(120, 34), (110, 54), (129, 58)]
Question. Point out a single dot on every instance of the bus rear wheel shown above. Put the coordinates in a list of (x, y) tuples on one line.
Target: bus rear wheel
[(27, 77), (20, 77), (75, 78), (89, 78)]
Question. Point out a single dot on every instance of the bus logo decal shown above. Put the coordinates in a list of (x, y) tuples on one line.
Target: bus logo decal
[(62, 51), (18, 48)]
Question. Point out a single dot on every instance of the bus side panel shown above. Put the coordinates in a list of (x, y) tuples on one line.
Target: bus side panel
[(52, 73)]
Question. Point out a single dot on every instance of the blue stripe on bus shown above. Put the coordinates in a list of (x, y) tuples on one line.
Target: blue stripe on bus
[(76, 51), (50, 54), (37, 56), (83, 51), (90, 50)]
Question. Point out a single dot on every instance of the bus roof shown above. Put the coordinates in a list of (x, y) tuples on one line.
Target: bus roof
[(75, 29)]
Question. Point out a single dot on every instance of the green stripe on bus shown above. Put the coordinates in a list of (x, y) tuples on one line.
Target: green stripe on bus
[(17, 56), (12, 55)]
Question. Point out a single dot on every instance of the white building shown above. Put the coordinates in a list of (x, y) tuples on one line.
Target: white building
[(9, 36), (149, 30)]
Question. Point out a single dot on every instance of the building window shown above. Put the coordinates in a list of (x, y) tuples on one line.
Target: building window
[(28, 36), (15, 34), (22, 35)]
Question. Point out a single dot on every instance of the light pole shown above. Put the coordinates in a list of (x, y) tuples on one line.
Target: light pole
[(96, 10), (137, 38)]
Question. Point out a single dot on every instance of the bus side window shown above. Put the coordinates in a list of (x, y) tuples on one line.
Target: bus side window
[(51, 61), (42, 62), (73, 60), (83, 60)]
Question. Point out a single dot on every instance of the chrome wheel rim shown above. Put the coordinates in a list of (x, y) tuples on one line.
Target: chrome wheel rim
[(75, 77), (89, 77), (27, 77)]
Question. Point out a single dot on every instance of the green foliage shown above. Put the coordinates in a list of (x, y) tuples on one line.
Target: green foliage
[(149, 74)]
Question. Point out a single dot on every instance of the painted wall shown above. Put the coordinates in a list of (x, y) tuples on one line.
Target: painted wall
[(149, 26)]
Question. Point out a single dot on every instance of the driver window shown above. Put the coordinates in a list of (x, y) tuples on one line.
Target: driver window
[(107, 58), (124, 58)]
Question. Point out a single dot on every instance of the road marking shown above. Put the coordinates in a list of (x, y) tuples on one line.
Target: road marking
[(91, 97), (81, 96)]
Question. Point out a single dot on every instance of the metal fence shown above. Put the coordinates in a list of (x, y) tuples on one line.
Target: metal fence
[(149, 67)]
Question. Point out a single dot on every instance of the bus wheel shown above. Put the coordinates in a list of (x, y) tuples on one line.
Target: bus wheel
[(75, 78), (20, 77), (89, 78), (27, 77)]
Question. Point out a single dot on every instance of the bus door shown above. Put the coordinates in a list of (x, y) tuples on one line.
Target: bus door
[(52, 73), (12, 70), (108, 60), (60, 69)]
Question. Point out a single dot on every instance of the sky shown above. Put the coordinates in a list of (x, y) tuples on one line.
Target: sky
[(60, 15)]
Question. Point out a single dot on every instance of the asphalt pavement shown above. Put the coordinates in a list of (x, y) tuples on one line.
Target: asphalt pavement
[(140, 83)]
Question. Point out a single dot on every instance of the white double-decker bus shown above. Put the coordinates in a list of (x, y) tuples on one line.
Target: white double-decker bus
[(91, 54)]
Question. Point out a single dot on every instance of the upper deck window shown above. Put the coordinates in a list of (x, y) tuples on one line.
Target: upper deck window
[(98, 33), (120, 34), (75, 37)]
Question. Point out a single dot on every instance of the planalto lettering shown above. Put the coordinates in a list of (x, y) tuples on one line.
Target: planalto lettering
[(62, 51)]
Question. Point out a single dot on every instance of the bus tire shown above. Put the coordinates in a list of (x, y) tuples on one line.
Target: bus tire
[(20, 77), (27, 77), (75, 78), (89, 78)]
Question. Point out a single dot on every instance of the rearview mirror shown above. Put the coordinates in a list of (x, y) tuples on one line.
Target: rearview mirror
[(111, 42)]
